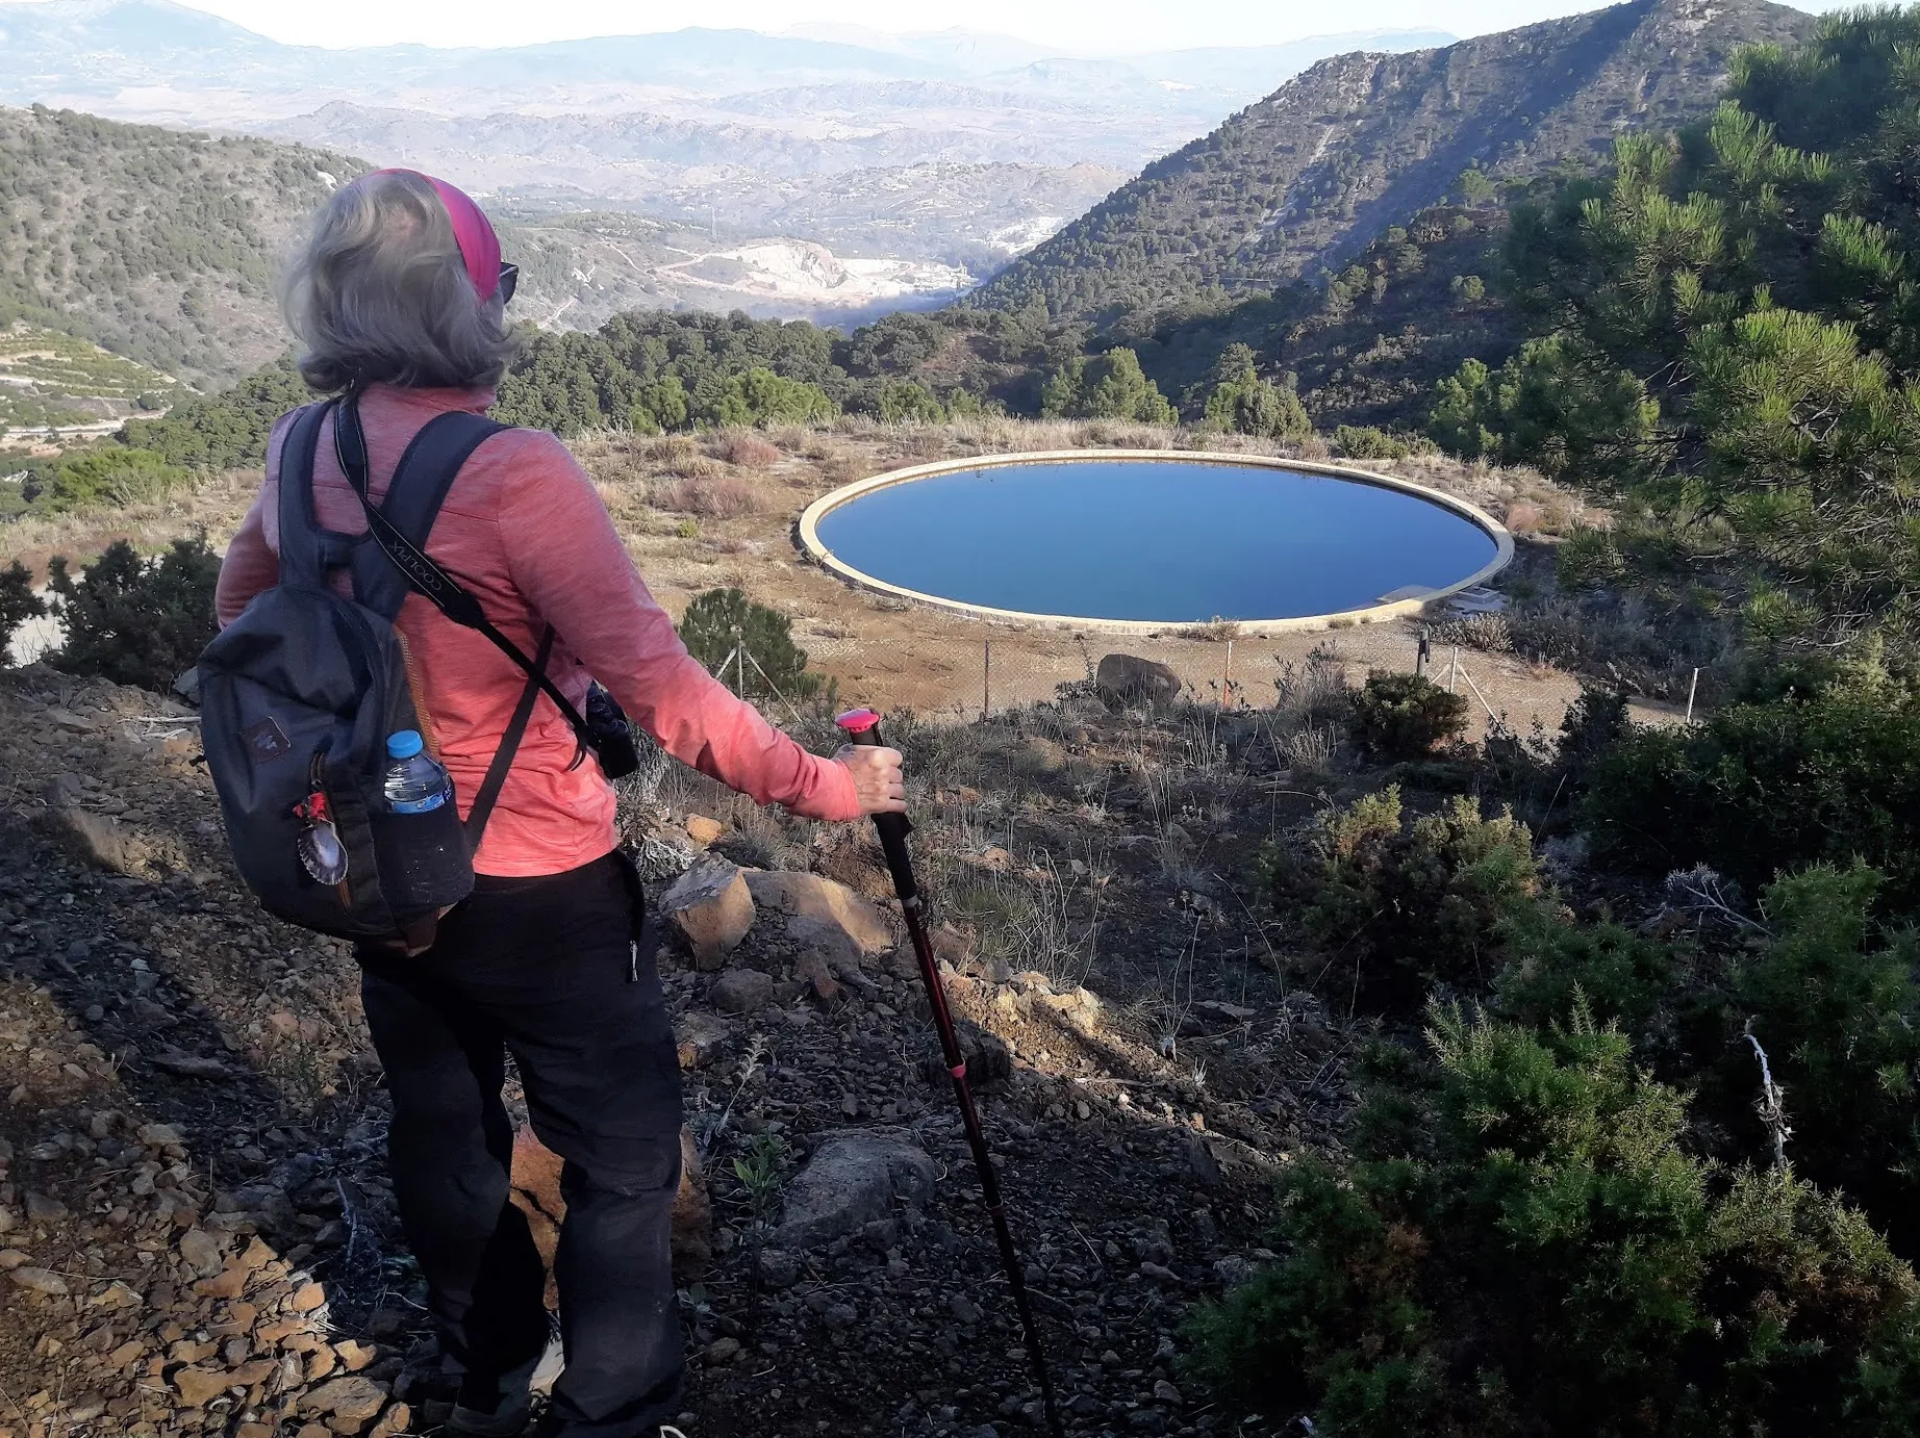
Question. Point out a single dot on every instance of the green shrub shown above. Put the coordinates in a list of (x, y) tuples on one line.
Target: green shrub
[(137, 621), (1762, 788), (18, 602), (1244, 403), (1526, 1248), (1554, 965), (1361, 441), (1406, 716), (223, 431), (1835, 1005), (1412, 904), (659, 406), (722, 623), (1554, 404), (1109, 386), (1588, 558), (758, 397), (108, 474), (905, 401)]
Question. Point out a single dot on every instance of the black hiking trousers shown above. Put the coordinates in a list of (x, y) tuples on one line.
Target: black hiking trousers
[(541, 968)]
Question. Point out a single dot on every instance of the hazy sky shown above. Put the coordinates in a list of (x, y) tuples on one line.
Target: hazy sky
[(1079, 26)]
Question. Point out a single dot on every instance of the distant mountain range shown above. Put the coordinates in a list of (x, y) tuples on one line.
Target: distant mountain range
[(152, 56), (697, 123), (1358, 143)]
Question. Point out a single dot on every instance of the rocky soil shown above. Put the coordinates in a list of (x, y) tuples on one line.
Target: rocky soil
[(197, 1231)]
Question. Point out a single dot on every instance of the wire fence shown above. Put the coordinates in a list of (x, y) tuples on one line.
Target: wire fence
[(939, 668)]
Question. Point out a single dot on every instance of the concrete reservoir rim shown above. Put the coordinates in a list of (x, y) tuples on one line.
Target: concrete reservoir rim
[(811, 543)]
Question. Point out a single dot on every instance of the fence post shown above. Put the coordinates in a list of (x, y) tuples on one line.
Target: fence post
[(1692, 689), (1421, 655), (1453, 670), (1226, 679), (986, 676)]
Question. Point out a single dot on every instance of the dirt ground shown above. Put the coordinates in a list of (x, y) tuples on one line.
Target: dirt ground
[(194, 1213)]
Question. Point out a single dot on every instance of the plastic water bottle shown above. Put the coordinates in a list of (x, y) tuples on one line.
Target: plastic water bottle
[(414, 782)]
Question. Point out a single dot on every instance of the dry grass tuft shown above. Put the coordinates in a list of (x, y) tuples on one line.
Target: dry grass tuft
[(712, 497), (745, 449)]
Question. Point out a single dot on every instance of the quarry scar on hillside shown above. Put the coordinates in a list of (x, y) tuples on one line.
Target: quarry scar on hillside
[(807, 537)]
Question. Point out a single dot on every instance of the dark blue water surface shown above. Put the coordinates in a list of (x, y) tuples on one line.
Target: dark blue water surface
[(1168, 540)]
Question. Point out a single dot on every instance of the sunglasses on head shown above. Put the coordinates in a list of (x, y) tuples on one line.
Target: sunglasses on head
[(509, 280)]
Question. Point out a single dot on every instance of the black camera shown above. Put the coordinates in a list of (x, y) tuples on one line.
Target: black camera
[(612, 734)]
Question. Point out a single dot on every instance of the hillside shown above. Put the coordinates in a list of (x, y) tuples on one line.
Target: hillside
[(52, 380), (162, 246), (1360, 142)]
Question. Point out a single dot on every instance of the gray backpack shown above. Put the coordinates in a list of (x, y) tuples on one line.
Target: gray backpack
[(299, 695)]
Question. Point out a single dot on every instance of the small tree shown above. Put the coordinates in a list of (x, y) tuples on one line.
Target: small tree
[(1246, 404), (1412, 904), (1555, 404), (133, 620), (18, 602), (1406, 716), (748, 646), (908, 401), (659, 406), (1110, 386)]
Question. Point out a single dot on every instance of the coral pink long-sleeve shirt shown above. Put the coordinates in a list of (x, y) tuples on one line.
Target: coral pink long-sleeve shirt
[(523, 530)]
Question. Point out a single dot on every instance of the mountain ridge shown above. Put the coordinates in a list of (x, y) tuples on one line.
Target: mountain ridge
[(1358, 142)]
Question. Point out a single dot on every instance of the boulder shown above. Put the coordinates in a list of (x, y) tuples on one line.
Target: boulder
[(852, 1179), (703, 831), (822, 913), (1078, 1007), (712, 905), (1130, 678), (536, 1193), (741, 991)]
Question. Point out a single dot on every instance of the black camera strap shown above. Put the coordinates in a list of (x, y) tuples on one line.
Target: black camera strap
[(438, 587)]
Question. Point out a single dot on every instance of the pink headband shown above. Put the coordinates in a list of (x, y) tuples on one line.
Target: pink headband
[(472, 231)]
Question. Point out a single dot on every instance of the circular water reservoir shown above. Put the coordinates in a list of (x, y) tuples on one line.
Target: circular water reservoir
[(1151, 538)]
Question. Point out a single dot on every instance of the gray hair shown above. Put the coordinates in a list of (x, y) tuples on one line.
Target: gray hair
[(381, 294)]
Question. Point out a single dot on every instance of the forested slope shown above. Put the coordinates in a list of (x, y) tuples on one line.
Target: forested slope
[(1361, 142), (159, 244)]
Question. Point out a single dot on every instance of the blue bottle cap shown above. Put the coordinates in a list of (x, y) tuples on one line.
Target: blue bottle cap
[(404, 745)]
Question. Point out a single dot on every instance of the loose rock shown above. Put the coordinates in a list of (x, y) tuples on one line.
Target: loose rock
[(741, 991), (39, 1280), (353, 1398), (851, 1180), (713, 907), (1128, 677)]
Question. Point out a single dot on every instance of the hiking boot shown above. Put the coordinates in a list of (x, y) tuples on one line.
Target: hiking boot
[(500, 1407)]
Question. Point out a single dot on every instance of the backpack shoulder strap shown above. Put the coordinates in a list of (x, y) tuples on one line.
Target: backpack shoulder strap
[(420, 573), (414, 495), (304, 552)]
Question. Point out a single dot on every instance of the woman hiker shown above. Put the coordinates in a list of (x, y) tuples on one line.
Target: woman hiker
[(399, 297)]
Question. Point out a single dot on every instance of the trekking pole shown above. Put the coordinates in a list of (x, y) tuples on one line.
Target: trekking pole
[(862, 726)]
